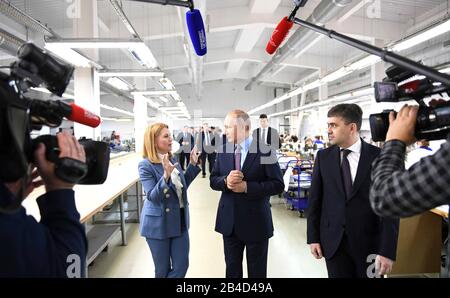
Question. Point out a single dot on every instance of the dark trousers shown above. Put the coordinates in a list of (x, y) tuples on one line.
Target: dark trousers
[(211, 160), (256, 254), (346, 264), (184, 159)]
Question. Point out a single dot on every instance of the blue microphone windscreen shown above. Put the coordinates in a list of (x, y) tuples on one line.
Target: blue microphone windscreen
[(196, 31)]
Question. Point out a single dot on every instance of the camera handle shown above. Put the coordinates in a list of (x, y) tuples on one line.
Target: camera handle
[(67, 169)]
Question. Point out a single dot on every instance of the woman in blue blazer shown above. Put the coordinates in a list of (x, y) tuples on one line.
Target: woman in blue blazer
[(165, 215)]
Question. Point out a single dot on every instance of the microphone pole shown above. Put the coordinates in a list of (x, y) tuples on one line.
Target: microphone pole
[(384, 54), (189, 4)]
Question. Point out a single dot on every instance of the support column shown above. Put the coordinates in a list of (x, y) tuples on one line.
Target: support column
[(323, 89), (140, 122), (140, 116), (86, 80)]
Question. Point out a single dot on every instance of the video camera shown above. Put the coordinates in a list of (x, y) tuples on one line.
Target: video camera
[(20, 115), (433, 123)]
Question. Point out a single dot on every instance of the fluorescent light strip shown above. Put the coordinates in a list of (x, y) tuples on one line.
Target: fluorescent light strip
[(167, 84), (151, 103), (359, 93), (131, 74), (119, 83), (172, 109), (137, 48), (176, 96), (423, 36), (116, 119), (106, 107), (159, 92), (143, 54), (69, 55), (95, 44)]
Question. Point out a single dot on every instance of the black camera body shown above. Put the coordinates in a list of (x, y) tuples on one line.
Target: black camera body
[(20, 115), (433, 123)]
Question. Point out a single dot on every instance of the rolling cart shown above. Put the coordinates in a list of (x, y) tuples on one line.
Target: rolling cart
[(299, 183)]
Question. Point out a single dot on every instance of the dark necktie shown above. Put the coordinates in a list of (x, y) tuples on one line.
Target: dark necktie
[(237, 158), (346, 174)]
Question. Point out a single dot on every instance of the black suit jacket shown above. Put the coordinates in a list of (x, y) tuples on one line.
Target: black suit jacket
[(273, 138), (248, 214), (204, 148), (42, 249), (330, 214)]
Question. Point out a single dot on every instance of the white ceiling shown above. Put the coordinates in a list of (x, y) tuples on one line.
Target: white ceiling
[(237, 34)]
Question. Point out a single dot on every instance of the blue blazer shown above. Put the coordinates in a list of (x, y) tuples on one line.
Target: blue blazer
[(247, 213), (160, 217)]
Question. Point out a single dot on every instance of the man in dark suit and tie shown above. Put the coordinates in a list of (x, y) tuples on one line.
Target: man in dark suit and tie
[(341, 224), (208, 149), (186, 141), (247, 178), (266, 135)]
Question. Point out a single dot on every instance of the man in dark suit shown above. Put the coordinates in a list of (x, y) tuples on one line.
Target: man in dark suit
[(208, 149), (247, 178), (341, 224), (186, 141), (266, 135)]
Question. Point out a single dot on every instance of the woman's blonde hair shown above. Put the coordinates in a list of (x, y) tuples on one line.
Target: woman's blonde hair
[(151, 133)]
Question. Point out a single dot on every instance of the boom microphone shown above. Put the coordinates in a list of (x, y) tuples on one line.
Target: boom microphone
[(51, 112), (82, 116), (196, 29), (278, 35)]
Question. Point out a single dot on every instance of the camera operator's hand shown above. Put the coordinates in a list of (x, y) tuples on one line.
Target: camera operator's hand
[(402, 128), (69, 147), (436, 102)]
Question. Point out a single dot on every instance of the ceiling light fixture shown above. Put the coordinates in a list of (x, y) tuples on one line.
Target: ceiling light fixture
[(106, 107), (130, 73), (119, 84), (167, 84), (69, 55)]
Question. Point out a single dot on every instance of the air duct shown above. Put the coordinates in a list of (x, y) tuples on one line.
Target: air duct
[(9, 42), (22, 18)]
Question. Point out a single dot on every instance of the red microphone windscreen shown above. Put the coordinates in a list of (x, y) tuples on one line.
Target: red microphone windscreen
[(278, 35), (83, 116)]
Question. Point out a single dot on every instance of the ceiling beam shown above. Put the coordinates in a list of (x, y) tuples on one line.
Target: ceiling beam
[(248, 38), (264, 6), (234, 66)]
